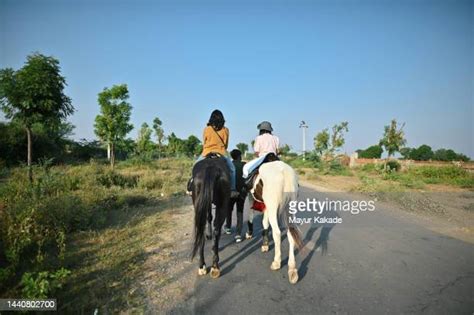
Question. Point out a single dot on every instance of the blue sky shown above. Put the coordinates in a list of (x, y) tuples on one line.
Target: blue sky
[(364, 62)]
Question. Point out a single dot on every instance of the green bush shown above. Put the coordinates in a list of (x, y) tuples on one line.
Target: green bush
[(371, 168), (311, 160), (42, 284), (111, 178), (392, 166)]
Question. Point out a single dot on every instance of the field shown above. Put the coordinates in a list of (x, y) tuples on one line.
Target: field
[(83, 233)]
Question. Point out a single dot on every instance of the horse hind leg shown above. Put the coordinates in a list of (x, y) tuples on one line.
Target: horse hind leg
[(218, 222), (202, 264), (209, 225), (292, 271), (276, 233)]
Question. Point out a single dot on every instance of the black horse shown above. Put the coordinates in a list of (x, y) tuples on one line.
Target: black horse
[(211, 185)]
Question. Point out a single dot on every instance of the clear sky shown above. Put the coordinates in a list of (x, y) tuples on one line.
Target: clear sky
[(283, 61)]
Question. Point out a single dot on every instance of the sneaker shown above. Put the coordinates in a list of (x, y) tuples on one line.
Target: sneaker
[(227, 231), (238, 238)]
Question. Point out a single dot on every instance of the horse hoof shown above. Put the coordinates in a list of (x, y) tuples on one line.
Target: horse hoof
[(293, 276), (248, 236), (264, 248), (215, 272), (275, 265), (202, 271)]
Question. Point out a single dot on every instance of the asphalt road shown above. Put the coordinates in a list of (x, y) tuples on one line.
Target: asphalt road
[(376, 263)]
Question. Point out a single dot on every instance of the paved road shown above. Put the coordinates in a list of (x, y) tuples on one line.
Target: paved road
[(375, 264)]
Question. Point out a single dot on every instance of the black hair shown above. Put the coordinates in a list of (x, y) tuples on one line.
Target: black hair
[(216, 120), (235, 154), (265, 131)]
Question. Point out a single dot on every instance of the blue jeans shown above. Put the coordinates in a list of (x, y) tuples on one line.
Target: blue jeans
[(231, 168)]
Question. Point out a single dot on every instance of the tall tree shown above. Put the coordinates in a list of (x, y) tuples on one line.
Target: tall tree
[(192, 146), (393, 138), (112, 124), (144, 143), (175, 144), (34, 94), (243, 147), (337, 138), (285, 149), (326, 143), (160, 134), (321, 141)]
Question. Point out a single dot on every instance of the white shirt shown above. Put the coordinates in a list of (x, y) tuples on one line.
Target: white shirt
[(266, 143)]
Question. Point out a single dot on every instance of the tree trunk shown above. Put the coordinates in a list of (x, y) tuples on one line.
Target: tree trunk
[(30, 154), (112, 155), (108, 151)]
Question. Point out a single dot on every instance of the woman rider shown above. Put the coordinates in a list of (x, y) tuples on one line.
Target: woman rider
[(216, 140)]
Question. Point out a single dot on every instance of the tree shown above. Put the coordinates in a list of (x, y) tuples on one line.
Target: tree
[(243, 147), (406, 152), (159, 132), (34, 94), (372, 152), (112, 124), (175, 144), (285, 149), (321, 142), (337, 139), (449, 155), (393, 138), (422, 153), (192, 146), (326, 143), (144, 143)]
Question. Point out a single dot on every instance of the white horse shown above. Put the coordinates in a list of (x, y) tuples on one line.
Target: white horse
[(277, 184)]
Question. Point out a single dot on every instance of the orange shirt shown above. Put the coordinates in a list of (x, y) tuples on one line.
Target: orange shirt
[(212, 142)]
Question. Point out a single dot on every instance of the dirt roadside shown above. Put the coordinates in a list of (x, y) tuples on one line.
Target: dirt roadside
[(443, 209), (168, 276)]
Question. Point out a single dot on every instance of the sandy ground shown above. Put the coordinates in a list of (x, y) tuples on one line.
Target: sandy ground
[(168, 276)]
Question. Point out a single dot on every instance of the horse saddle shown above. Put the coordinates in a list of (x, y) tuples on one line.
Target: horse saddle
[(249, 181), (212, 156)]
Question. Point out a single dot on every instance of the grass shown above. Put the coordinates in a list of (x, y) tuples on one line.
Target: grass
[(373, 177), (416, 177), (88, 219), (108, 264)]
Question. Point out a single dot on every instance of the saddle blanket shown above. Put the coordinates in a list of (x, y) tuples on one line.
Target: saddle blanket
[(252, 165)]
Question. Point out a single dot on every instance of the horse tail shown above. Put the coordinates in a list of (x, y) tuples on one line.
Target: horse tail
[(291, 194), (202, 205)]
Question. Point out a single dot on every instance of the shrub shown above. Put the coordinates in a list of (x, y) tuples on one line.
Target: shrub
[(392, 166), (371, 167), (41, 285), (112, 178)]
